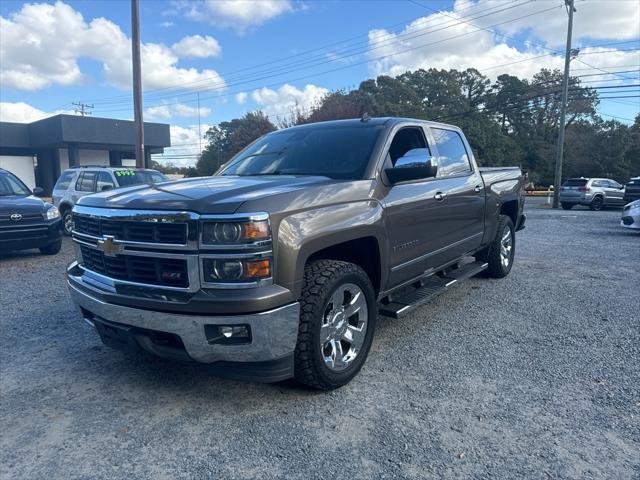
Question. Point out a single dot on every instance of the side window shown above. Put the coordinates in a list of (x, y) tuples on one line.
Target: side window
[(411, 141), (614, 184), (453, 156), (86, 181), (598, 183), (64, 181), (104, 182)]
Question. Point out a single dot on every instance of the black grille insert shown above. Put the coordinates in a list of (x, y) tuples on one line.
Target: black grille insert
[(133, 231), (169, 272)]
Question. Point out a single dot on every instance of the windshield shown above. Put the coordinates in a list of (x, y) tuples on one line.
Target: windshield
[(11, 185), (135, 177), (339, 152)]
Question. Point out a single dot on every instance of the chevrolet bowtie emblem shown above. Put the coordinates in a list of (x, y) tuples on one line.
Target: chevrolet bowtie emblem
[(110, 246)]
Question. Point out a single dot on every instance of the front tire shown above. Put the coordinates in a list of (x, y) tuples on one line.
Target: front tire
[(337, 323), (501, 251), (51, 249), (67, 223)]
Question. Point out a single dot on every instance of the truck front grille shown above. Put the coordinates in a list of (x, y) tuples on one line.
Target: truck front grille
[(169, 272), (132, 231)]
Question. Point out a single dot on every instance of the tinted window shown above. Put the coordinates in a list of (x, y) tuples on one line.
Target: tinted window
[(452, 156), (12, 185), (104, 180), (64, 181), (85, 182), (575, 182), (136, 177), (614, 184), (598, 183), (339, 152)]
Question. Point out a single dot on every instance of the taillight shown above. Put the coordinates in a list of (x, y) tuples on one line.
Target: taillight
[(584, 189)]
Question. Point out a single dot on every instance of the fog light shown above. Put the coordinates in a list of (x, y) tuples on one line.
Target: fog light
[(227, 334)]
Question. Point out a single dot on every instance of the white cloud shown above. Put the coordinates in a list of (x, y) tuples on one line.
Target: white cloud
[(186, 145), (42, 43), (594, 20), (241, 97), (21, 112), (236, 14), (170, 110), (424, 43), (197, 46), (287, 98)]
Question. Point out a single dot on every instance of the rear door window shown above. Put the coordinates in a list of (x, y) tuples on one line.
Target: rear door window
[(64, 181), (104, 182), (452, 155), (86, 182)]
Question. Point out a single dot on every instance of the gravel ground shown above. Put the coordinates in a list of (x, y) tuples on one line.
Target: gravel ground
[(536, 376)]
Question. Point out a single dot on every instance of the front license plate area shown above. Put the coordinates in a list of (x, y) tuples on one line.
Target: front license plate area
[(116, 336)]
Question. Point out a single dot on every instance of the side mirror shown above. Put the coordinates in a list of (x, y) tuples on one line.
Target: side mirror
[(414, 165), (38, 191), (106, 187)]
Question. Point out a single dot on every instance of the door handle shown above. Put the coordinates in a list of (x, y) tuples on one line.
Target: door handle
[(477, 189), (439, 196)]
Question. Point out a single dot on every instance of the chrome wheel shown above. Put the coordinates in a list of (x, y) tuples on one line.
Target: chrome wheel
[(506, 246), (344, 326), (68, 223)]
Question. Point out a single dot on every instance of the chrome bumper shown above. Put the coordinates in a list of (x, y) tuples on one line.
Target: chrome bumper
[(273, 333)]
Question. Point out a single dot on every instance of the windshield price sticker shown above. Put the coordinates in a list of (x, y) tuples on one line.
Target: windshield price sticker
[(124, 173)]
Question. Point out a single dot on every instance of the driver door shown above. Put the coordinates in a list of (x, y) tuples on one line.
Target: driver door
[(414, 210)]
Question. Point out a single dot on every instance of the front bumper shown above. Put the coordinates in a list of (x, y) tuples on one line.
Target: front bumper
[(31, 235), (273, 332)]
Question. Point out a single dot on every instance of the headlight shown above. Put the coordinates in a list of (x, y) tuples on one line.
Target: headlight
[(230, 233), (52, 213), (235, 270)]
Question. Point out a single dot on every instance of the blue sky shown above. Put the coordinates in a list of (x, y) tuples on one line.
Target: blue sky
[(274, 54)]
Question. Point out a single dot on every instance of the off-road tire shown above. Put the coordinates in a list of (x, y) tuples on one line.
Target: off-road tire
[(491, 254), (321, 279), (52, 248), (567, 206), (597, 204)]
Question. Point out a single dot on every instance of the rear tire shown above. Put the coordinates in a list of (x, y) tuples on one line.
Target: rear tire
[(597, 204), (501, 251), (51, 249), (567, 206), (338, 313)]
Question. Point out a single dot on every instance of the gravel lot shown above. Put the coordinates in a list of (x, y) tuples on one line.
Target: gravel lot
[(536, 376)]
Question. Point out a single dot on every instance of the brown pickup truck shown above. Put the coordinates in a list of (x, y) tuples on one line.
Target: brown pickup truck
[(279, 265)]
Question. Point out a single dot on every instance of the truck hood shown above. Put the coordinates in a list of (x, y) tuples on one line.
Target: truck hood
[(205, 195)]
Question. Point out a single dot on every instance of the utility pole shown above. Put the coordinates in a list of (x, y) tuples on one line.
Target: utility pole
[(137, 82), (83, 108), (563, 109)]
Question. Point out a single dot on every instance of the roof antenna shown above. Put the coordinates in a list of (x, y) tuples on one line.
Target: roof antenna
[(365, 117)]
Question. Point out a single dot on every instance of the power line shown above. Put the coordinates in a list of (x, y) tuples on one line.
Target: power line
[(83, 109), (358, 63)]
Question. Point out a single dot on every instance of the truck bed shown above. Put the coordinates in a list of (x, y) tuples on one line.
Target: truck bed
[(492, 175)]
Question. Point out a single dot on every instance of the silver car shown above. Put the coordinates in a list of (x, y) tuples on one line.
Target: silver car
[(595, 193), (75, 183), (631, 215)]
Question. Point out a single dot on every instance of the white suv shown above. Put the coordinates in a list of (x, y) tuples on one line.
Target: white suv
[(75, 183)]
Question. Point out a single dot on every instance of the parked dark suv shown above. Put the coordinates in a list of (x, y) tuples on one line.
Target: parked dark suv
[(26, 221)]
